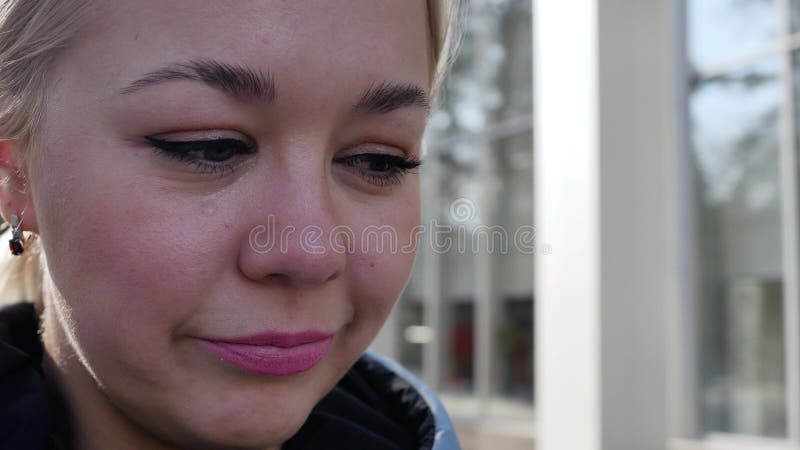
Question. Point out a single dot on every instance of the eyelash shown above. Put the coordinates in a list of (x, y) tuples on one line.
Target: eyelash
[(391, 172), (183, 150), (393, 168)]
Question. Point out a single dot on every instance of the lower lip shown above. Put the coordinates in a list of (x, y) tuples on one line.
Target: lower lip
[(270, 360)]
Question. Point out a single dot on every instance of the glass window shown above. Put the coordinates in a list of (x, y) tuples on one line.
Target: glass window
[(491, 79), (735, 142), (512, 378), (511, 51), (796, 92), (413, 332), (460, 109), (795, 15), (484, 119), (459, 346), (723, 29), (460, 185)]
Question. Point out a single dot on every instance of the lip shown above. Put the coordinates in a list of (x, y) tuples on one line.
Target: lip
[(273, 353)]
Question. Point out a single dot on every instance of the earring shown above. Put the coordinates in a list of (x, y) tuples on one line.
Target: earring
[(15, 243)]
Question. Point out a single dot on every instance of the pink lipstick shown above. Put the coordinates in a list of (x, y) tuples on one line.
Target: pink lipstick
[(273, 353)]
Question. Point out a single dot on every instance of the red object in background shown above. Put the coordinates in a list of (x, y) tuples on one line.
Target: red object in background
[(463, 348)]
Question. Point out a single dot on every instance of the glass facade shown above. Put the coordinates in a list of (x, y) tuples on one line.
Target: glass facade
[(513, 312), (734, 120), (722, 30), (794, 11), (470, 303), (737, 105), (466, 320)]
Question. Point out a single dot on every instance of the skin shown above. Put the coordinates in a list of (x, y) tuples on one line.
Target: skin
[(144, 255)]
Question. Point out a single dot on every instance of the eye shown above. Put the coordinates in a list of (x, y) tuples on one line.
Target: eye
[(215, 156), (379, 168)]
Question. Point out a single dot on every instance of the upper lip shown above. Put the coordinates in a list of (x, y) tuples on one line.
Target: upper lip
[(276, 339)]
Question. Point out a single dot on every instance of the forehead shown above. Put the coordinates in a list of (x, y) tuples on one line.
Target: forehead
[(331, 44)]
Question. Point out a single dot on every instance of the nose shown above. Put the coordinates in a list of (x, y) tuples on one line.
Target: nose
[(294, 242)]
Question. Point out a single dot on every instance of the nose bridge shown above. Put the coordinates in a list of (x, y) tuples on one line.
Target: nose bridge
[(303, 193), (293, 240)]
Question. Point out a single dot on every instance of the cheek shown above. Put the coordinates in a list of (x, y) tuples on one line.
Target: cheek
[(384, 257), (116, 248)]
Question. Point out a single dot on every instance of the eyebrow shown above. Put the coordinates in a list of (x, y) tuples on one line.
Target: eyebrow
[(240, 82), (387, 96), (249, 84)]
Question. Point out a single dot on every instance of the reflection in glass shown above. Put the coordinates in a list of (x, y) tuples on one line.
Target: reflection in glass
[(723, 29), (497, 40), (490, 87), (459, 352), (459, 182), (410, 319), (512, 376), (736, 155), (511, 46), (796, 90), (413, 333)]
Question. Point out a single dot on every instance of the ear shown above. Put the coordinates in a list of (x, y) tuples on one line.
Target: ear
[(15, 193)]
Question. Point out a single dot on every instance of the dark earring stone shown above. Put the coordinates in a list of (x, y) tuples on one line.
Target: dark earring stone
[(16, 246)]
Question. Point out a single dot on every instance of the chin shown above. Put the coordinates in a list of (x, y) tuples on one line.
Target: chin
[(256, 435), (216, 418)]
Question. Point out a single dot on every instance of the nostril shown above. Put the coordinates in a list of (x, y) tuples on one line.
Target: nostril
[(334, 275)]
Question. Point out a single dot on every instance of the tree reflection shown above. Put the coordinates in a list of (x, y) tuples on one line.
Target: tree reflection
[(736, 158)]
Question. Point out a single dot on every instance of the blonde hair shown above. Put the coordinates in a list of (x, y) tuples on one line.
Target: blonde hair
[(31, 34), (446, 19)]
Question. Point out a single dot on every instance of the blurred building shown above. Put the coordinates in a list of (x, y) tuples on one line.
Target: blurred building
[(465, 321), (653, 144)]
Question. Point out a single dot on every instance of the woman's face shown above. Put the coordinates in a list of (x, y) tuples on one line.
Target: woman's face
[(160, 252)]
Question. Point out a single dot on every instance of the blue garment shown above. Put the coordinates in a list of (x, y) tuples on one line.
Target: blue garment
[(445, 435)]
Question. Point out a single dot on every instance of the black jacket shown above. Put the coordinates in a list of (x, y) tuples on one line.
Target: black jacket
[(377, 405)]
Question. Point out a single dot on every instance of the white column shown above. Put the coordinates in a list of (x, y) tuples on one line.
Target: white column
[(566, 185), (606, 139)]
